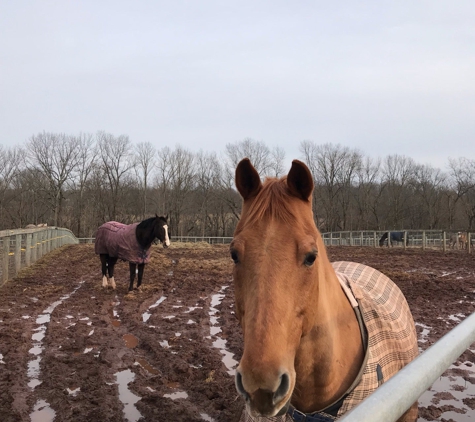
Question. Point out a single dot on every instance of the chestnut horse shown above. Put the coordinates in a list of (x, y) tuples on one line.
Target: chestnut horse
[(318, 338)]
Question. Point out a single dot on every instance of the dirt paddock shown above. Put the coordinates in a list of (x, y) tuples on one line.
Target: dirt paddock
[(73, 351)]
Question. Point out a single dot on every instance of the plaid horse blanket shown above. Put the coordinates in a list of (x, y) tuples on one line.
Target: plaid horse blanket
[(391, 336), (119, 241)]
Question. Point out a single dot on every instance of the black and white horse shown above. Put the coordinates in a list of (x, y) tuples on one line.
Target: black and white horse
[(130, 243)]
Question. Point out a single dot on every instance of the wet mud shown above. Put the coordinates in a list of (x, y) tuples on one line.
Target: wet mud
[(73, 351)]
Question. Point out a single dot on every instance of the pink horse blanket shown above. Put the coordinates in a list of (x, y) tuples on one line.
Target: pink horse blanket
[(119, 241)]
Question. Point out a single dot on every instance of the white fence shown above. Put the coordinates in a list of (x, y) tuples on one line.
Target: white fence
[(416, 238), (185, 239), (21, 248)]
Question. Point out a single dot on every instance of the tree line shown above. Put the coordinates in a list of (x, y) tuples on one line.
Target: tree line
[(81, 181)]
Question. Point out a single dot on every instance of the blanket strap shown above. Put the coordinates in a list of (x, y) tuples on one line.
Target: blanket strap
[(330, 413)]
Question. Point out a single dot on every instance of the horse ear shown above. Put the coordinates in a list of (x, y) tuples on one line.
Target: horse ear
[(247, 179), (300, 180)]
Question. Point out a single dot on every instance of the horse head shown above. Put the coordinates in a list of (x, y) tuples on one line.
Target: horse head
[(279, 258), (160, 230)]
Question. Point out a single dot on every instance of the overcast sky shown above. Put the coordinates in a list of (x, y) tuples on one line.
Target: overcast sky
[(383, 77)]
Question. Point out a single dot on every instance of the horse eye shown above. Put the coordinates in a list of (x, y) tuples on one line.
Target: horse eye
[(234, 256), (310, 259)]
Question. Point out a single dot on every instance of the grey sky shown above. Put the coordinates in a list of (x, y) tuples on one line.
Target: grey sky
[(383, 77)]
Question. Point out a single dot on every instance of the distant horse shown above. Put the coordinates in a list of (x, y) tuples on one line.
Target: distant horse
[(318, 338), (395, 237), (130, 243), (458, 239)]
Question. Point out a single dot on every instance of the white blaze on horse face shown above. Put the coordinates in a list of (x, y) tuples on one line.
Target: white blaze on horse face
[(167, 240)]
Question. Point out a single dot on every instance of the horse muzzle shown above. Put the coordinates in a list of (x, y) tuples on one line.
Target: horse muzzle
[(265, 402)]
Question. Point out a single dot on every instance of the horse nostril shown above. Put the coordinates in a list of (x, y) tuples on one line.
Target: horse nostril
[(283, 389), (240, 386)]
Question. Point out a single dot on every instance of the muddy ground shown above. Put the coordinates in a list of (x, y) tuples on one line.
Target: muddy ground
[(72, 351)]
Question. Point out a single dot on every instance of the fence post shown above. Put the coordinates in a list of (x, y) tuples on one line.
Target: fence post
[(34, 247), (423, 240), (6, 255), (351, 239), (469, 241), (405, 240), (41, 240), (17, 253), (39, 245), (50, 240), (374, 236), (444, 241), (28, 249)]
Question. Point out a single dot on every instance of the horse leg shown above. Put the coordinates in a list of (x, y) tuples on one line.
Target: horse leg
[(132, 275), (104, 269), (111, 265), (140, 275)]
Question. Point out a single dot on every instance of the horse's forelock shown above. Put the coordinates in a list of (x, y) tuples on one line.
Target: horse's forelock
[(271, 202)]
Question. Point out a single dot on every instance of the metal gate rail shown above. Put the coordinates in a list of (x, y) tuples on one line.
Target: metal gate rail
[(389, 402)]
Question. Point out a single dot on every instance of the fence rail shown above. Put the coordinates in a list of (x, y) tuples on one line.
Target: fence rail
[(416, 238), (185, 239), (394, 397), (23, 247)]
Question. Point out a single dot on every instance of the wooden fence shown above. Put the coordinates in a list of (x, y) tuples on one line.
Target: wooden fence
[(23, 247)]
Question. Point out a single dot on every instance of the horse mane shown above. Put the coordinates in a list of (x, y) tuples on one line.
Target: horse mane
[(272, 201)]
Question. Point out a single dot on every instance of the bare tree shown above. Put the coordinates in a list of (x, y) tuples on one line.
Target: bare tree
[(145, 155), (429, 183), (86, 163), (398, 175), (116, 158), (266, 162), (368, 193), (10, 166), (334, 170), (277, 162), (462, 176), (207, 187), (56, 156), (176, 175)]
